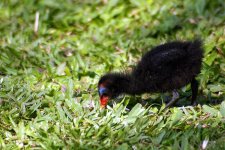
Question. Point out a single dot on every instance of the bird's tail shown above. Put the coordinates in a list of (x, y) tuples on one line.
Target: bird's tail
[(195, 49), (195, 52)]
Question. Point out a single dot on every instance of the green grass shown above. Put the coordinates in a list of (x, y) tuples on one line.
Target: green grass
[(48, 78)]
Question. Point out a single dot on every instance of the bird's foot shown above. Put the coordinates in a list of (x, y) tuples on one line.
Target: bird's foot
[(194, 103), (173, 100)]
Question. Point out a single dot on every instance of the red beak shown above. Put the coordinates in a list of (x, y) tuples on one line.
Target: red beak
[(104, 101)]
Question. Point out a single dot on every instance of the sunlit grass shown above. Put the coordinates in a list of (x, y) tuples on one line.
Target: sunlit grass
[(48, 76)]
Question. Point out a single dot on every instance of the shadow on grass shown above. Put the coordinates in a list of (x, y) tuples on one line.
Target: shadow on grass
[(184, 100)]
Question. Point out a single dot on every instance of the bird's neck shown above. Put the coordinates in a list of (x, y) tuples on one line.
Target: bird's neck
[(128, 85)]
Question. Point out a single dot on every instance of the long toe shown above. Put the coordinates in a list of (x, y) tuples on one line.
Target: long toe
[(174, 99)]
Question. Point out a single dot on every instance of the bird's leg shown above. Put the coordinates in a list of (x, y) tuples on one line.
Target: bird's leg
[(173, 100), (194, 89)]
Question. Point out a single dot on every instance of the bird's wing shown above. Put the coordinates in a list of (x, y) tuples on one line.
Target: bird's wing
[(159, 65), (170, 57)]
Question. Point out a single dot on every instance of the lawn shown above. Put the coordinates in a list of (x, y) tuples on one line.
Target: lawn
[(49, 74)]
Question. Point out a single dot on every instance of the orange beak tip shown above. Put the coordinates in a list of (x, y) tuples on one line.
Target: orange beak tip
[(102, 106)]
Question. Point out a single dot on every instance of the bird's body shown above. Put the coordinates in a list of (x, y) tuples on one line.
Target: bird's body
[(168, 67), (165, 68)]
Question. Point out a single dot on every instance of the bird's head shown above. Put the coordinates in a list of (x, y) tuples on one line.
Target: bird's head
[(109, 87)]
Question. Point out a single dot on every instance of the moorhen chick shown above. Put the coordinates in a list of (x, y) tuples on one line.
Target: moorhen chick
[(165, 68)]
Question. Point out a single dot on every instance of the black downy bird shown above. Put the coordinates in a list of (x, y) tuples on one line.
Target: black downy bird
[(165, 68)]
